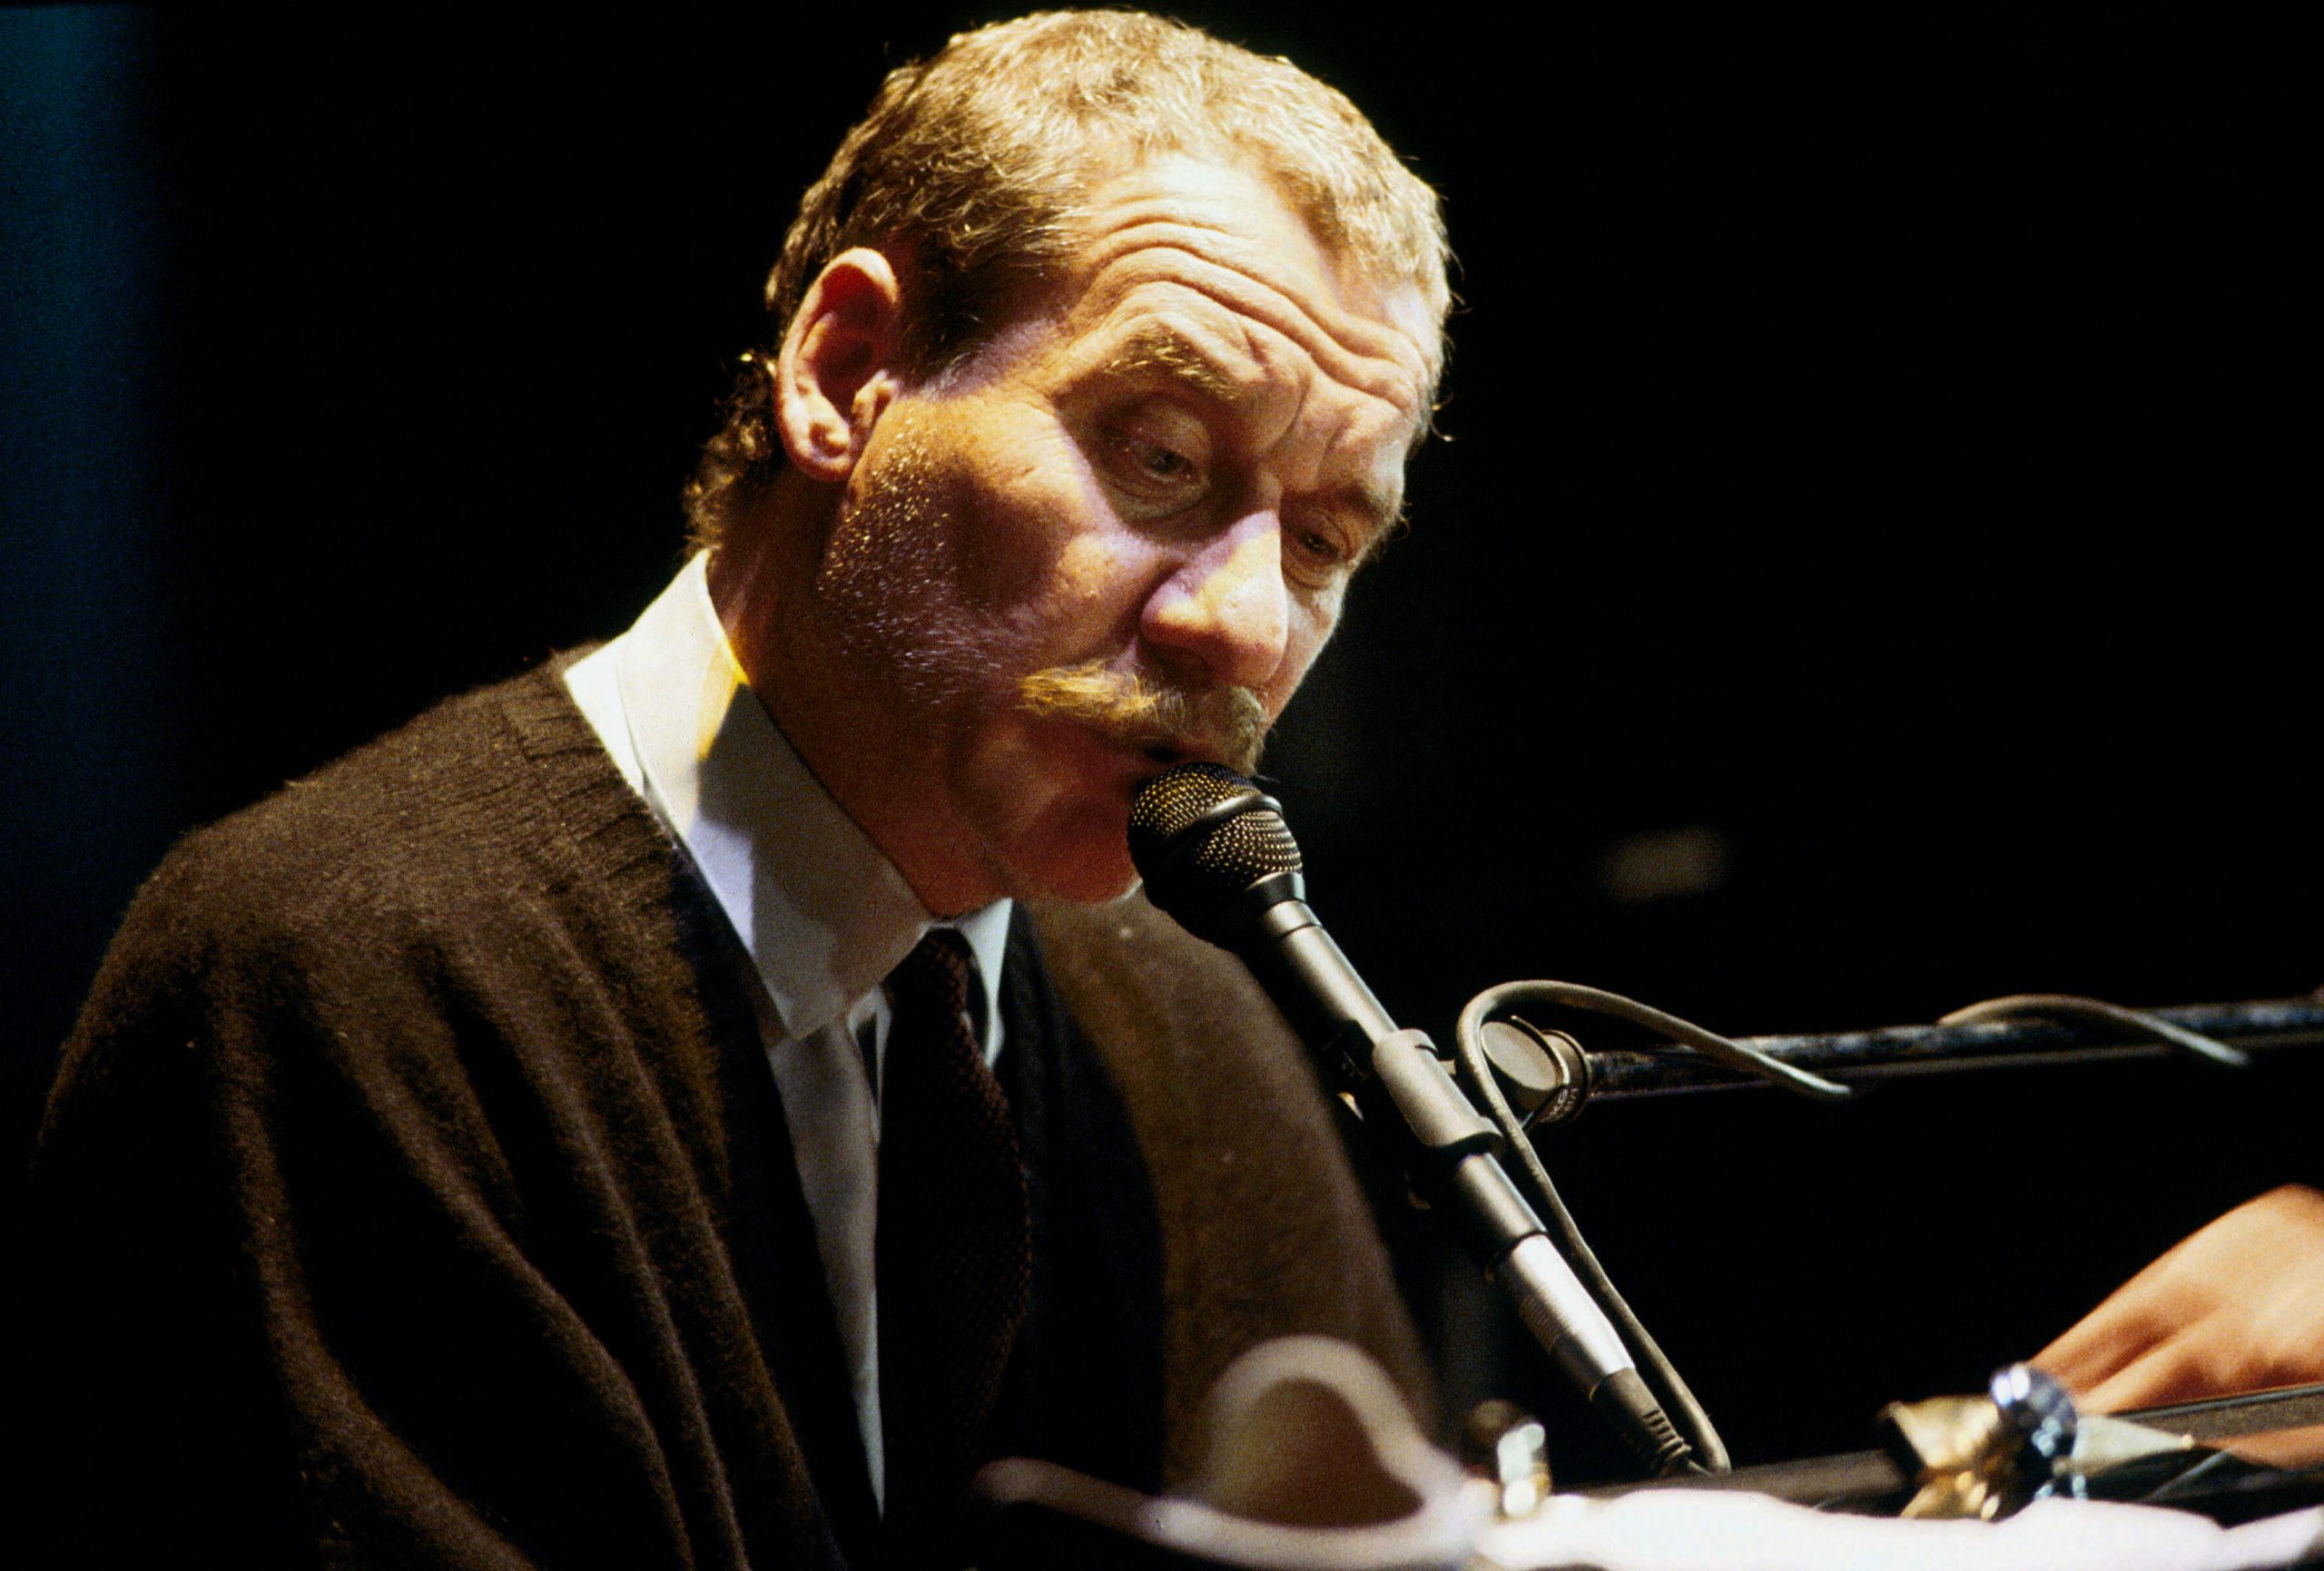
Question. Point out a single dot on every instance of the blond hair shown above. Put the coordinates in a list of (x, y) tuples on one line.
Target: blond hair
[(968, 167)]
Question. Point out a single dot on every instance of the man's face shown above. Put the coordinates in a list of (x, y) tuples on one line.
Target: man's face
[(1167, 472)]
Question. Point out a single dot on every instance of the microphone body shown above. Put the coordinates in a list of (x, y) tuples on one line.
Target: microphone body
[(1227, 869)]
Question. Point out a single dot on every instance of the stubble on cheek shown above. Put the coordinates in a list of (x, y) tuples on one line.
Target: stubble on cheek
[(890, 580)]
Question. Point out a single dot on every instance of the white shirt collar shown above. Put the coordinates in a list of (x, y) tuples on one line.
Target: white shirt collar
[(824, 915)]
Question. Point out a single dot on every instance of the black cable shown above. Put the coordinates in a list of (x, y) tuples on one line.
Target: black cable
[(1654, 1366)]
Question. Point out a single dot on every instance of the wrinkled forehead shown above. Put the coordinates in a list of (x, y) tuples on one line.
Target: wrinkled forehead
[(1177, 234), (1219, 176)]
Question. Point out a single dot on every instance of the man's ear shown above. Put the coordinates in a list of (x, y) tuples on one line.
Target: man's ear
[(841, 363)]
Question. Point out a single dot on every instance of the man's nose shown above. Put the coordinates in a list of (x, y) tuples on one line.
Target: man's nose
[(1226, 611)]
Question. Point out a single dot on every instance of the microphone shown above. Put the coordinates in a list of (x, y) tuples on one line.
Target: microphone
[(1216, 854)]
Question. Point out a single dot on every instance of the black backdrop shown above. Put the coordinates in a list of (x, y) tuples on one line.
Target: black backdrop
[(1861, 577)]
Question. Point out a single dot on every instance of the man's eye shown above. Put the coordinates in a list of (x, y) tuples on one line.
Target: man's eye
[(1160, 470), (1160, 462), (1319, 547)]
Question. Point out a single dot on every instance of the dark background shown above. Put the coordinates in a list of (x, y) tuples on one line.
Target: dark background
[(1862, 577)]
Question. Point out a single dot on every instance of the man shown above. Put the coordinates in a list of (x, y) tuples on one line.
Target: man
[(562, 1132)]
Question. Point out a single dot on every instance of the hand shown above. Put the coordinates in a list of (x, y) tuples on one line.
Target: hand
[(2237, 1307)]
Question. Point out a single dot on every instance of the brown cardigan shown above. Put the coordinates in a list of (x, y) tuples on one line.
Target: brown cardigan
[(413, 1194)]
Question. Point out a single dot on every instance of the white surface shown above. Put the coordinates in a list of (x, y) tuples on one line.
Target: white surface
[(1709, 1530)]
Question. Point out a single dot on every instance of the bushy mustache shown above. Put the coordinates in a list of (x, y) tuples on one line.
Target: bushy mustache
[(1228, 724)]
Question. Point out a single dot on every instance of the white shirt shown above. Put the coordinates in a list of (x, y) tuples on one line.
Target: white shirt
[(823, 915)]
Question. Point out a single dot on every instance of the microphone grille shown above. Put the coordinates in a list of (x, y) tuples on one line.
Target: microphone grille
[(1201, 834), (1175, 798), (1248, 847)]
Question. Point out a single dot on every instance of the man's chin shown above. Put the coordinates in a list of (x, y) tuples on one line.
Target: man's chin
[(1078, 852), (1059, 803), (1084, 881)]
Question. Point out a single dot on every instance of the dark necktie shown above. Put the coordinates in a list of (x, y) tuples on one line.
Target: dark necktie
[(955, 1267)]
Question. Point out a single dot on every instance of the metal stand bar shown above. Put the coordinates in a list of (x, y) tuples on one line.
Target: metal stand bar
[(1901, 1050)]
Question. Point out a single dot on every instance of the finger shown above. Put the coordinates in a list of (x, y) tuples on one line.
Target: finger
[(2100, 1344), (2168, 1372)]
